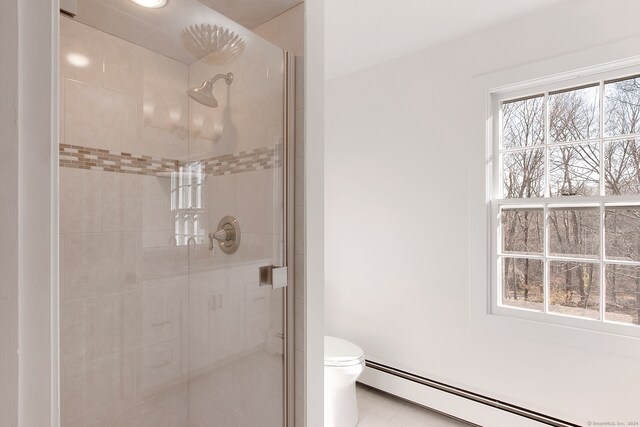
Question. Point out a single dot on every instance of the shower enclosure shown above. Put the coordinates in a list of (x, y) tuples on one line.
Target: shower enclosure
[(174, 214)]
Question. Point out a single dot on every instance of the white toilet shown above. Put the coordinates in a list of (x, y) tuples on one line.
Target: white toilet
[(343, 364)]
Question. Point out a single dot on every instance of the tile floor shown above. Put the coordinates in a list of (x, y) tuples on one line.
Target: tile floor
[(379, 409)]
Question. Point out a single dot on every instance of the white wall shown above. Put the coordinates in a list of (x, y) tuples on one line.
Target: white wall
[(28, 265), (9, 213), (36, 243), (314, 211), (405, 216)]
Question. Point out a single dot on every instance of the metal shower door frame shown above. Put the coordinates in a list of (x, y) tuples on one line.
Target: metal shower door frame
[(288, 200)]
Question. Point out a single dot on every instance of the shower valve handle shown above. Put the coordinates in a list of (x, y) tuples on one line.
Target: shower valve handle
[(220, 235), (227, 235)]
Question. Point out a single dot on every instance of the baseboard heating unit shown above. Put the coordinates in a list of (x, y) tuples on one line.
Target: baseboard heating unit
[(462, 404)]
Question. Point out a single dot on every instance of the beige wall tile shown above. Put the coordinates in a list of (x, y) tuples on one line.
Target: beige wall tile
[(271, 119), (276, 310), (164, 308), (246, 121), (256, 329), (99, 263), (255, 247), (211, 130), (167, 140), (257, 300), (160, 366), (94, 390), (255, 201), (152, 239), (239, 123), (99, 326), (81, 52), (121, 207), (220, 198), (161, 262), (202, 259), (72, 332), (80, 201), (123, 65), (216, 322), (165, 108), (112, 324), (229, 338), (101, 118), (156, 204), (154, 318)]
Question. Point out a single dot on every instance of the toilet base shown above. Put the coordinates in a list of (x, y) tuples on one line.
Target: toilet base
[(341, 407)]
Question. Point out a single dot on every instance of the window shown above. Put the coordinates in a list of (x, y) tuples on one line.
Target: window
[(566, 203)]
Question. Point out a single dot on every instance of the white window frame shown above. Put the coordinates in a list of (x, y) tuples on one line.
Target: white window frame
[(544, 86)]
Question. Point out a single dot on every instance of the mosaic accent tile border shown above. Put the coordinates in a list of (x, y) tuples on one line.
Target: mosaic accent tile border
[(244, 161), (75, 156), (79, 157)]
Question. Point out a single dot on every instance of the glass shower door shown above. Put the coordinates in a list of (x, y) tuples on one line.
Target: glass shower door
[(229, 206), (161, 326)]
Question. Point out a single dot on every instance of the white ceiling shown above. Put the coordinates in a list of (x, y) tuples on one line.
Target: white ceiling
[(251, 13), (363, 33), (159, 29)]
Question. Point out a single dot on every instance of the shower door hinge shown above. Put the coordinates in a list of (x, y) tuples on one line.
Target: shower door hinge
[(273, 276)]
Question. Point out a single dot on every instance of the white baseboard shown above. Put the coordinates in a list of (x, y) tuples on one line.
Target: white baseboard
[(441, 401)]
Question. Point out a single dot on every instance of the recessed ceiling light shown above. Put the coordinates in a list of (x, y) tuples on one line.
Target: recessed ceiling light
[(154, 4)]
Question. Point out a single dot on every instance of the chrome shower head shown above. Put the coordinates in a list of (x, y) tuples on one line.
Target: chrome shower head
[(204, 93)]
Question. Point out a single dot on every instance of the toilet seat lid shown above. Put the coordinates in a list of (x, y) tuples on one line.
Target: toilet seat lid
[(339, 352)]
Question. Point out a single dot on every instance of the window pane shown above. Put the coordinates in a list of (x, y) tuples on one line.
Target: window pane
[(622, 233), (622, 107), (623, 293), (574, 232), (523, 174), (522, 230), (574, 115), (522, 123), (574, 170), (522, 283), (574, 288), (622, 167)]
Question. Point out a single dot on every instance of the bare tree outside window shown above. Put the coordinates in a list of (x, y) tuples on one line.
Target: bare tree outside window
[(558, 252)]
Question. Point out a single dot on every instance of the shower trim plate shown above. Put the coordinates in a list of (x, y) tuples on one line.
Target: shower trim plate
[(227, 236)]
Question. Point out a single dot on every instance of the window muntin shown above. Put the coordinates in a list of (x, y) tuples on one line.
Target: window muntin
[(568, 232)]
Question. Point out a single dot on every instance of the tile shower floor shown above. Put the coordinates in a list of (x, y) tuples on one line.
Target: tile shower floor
[(379, 409)]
